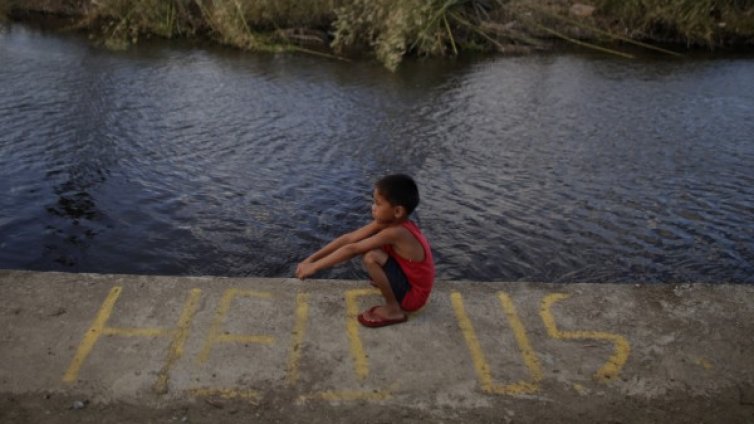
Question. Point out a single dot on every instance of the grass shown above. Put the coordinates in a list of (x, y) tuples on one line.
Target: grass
[(122, 22), (447, 27), (393, 29), (709, 23), (247, 24)]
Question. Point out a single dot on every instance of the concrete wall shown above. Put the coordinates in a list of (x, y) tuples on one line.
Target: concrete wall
[(283, 343)]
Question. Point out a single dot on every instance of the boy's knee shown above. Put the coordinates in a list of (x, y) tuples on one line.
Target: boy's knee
[(373, 257), (368, 258)]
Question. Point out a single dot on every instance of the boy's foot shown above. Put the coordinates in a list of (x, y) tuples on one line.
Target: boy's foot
[(373, 319)]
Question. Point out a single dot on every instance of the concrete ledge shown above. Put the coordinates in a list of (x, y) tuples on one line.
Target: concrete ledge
[(209, 349)]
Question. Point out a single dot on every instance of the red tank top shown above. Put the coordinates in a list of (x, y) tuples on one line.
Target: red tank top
[(421, 275)]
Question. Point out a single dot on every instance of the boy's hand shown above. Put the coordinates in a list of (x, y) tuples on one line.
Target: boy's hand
[(305, 269)]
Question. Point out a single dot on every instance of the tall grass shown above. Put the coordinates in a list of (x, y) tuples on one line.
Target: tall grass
[(392, 29), (124, 21), (389, 27), (249, 24), (274, 14), (695, 22)]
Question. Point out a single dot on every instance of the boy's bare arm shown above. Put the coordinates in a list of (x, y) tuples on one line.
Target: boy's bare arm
[(345, 239), (347, 251)]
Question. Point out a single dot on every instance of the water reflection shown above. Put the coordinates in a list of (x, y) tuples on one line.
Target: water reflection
[(74, 219)]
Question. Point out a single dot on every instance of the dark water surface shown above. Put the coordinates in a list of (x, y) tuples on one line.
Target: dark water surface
[(169, 159)]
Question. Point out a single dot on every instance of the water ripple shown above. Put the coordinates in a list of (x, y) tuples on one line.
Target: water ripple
[(178, 160)]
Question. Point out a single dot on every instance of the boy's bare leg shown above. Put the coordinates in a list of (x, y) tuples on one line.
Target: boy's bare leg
[(374, 260)]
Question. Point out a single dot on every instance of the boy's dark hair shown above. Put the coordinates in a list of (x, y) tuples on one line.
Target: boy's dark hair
[(399, 190)]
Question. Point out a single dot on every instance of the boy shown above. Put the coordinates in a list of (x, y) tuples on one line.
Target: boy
[(395, 253)]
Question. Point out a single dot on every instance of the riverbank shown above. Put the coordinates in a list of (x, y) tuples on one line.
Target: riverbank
[(391, 29), (118, 348)]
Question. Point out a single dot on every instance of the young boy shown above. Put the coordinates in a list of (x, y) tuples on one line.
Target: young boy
[(395, 253)]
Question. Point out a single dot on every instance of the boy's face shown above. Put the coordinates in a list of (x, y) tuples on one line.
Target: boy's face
[(383, 211)]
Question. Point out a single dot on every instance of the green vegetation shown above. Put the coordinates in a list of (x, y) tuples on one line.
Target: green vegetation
[(247, 24), (256, 24), (123, 21), (392, 29), (695, 22)]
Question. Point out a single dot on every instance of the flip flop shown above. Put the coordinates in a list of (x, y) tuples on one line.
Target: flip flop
[(380, 323)]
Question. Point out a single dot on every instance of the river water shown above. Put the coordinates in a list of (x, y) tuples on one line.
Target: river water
[(192, 160)]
